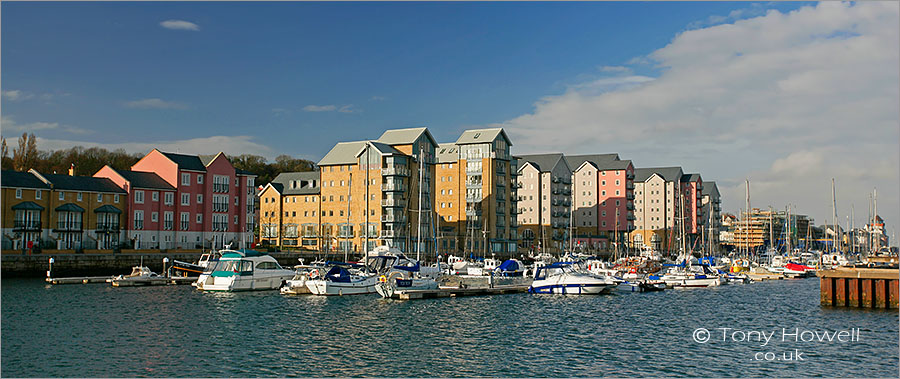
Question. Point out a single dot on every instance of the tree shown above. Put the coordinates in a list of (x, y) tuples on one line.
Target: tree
[(5, 160), (25, 156)]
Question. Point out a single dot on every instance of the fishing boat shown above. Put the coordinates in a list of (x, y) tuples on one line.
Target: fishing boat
[(563, 278), (243, 270)]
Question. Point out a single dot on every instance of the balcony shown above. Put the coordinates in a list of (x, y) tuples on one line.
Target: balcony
[(220, 226), (26, 225), (567, 192), (513, 197), (473, 198), (395, 171), (629, 185), (566, 180), (473, 212), (629, 196), (168, 225), (630, 217), (393, 218), (393, 187), (105, 227), (629, 206), (220, 188), (629, 175), (555, 191), (393, 203), (555, 179), (392, 234), (68, 226), (516, 185), (473, 184)]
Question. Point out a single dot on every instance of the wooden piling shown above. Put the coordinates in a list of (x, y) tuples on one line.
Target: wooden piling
[(860, 287)]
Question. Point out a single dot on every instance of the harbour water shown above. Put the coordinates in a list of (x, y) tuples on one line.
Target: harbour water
[(176, 331)]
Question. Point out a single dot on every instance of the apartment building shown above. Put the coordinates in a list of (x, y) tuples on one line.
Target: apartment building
[(657, 192), (603, 200), (476, 194), (56, 211), (545, 201), (213, 203), (291, 213), (712, 208)]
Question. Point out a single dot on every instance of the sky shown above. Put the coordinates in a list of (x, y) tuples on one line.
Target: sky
[(788, 95)]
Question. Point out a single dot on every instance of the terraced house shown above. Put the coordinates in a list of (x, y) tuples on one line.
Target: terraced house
[(368, 192), (189, 201), (64, 212), (545, 202)]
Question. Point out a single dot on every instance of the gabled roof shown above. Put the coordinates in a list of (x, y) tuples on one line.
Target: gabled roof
[(186, 162), (616, 165), (669, 174), (482, 136), (69, 207), (27, 206), (711, 188), (238, 171), (16, 179), (284, 183), (147, 180), (82, 183), (543, 162), (447, 153), (206, 159), (690, 177), (347, 152), (597, 160), (405, 136), (107, 209)]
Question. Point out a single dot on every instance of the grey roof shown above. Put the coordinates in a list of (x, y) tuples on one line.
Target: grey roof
[(148, 180), (447, 153), (668, 173), (482, 136), (690, 177), (711, 188), (16, 179), (69, 207), (616, 165), (206, 159), (107, 209), (82, 183), (405, 136), (27, 206), (244, 172), (307, 183), (346, 152), (575, 161), (186, 162), (543, 162)]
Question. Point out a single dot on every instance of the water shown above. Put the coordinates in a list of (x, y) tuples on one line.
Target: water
[(176, 331)]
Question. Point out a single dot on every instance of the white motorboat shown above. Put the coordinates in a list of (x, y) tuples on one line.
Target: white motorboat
[(396, 272), (343, 279), (140, 275), (564, 278), (691, 276), (243, 270), (302, 274)]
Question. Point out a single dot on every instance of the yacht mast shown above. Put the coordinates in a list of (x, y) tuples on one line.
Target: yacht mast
[(747, 221), (833, 218), (349, 225), (366, 245), (419, 213), (875, 219)]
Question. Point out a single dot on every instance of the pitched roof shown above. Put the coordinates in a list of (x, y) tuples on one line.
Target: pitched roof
[(710, 187), (690, 177), (297, 183), (186, 162), (616, 165), (447, 153), (107, 209), (16, 179), (82, 183), (668, 173), (69, 207), (148, 180), (405, 136), (346, 152), (206, 159), (243, 172), (27, 206), (482, 136), (575, 161), (543, 162)]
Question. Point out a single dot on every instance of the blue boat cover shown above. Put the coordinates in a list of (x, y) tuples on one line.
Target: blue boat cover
[(407, 268), (509, 265), (338, 274)]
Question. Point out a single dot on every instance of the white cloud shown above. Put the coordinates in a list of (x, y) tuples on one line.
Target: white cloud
[(179, 25), (348, 109), (231, 145), (788, 99), (320, 108), (10, 125), (155, 103), (15, 95), (615, 69), (377, 98)]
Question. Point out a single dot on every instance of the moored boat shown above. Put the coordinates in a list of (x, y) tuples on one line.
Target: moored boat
[(243, 270), (564, 278)]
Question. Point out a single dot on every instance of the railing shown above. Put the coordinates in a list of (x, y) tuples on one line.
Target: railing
[(629, 206), (473, 212), (555, 191), (310, 234), (27, 224), (220, 187), (219, 226), (473, 198), (567, 192), (566, 180), (393, 218), (473, 184), (107, 227), (554, 202), (393, 203), (513, 197), (392, 234), (393, 187), (167, 225), (68, 226), (185, 225), (629, 185), (555, 179), (629, 196), (395, 171), (220, 207), (629, 175), (516, 185)]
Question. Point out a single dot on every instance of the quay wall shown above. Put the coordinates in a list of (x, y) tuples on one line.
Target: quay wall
[(102, 263), (860, 287)]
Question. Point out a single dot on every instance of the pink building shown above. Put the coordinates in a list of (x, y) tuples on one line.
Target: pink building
[(190, 201), (692, 187), (603, 199)]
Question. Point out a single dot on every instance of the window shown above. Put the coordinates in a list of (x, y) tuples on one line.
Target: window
[(80, 196), (154, 216), (235, 218), (139, 220), (450, 193), (185, 220), (185, 199), (139, 197), (62, 196), (99, 197), (169, 198), (199, 218), (236, 200), (155, 196), (18, 193), (199, 178), (199, 198), (617, 180), (185, 179), (116, 198)]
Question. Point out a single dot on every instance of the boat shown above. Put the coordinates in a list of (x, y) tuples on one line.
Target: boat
[(397, 272), (243, 270), (181, 268), (297, 284), (563, 278), (510, 267), (343, 279), (139, 276), (691, 276)]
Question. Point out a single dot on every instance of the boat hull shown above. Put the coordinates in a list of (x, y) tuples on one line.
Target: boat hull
[(573, 289), (237, 283), (329, 288)]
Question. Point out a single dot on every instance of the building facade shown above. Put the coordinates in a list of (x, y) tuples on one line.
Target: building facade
[(603, 201), (545, 202), (657, 192)]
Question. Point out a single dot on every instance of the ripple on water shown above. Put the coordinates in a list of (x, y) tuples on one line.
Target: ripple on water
[(177, 331)]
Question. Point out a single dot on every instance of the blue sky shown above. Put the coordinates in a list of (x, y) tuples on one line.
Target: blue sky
[(733, 90)]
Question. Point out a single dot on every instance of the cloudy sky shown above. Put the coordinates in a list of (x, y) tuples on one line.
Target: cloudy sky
[(788, 95)]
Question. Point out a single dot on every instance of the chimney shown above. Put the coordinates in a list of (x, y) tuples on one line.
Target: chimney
[(72, 170)]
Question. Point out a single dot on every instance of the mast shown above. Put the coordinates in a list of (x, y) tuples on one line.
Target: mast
[(366, 245), (349, 225), (747, 221), (419, 213), (833, 217), (875, 219)]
